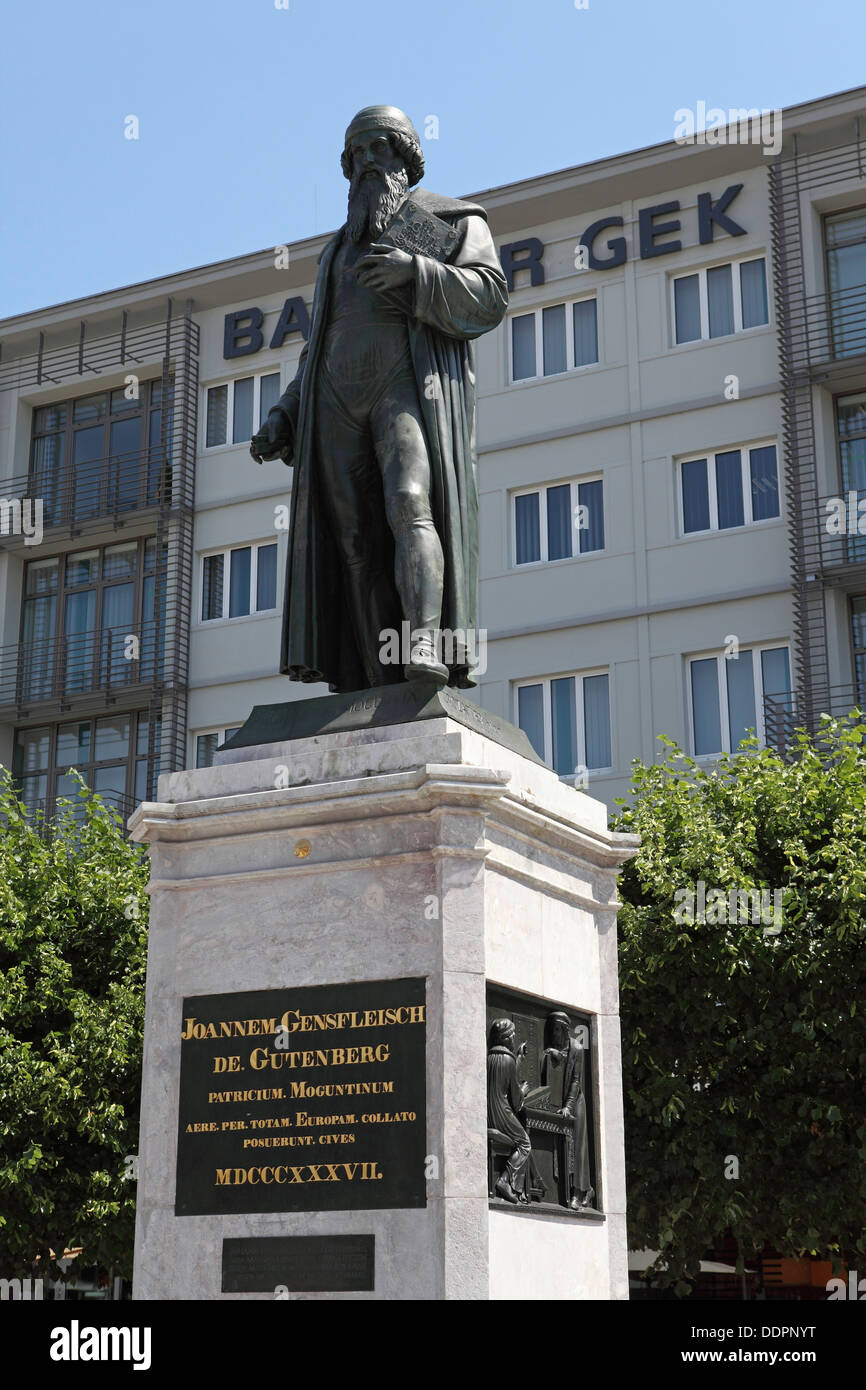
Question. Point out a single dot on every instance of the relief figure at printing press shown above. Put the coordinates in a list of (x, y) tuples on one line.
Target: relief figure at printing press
[(506, 1097), (563, 1065)]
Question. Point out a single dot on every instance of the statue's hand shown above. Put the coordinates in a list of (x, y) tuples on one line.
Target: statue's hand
[(274, 436), (385, 267)]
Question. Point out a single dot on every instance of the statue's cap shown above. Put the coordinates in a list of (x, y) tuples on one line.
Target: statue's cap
[(381, 118)]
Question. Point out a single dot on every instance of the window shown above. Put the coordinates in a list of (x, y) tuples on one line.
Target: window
[(554, 339), (102, 454), (851, 437), (567, 720), (558, 522), (238, 582), (233, 408), (858, 641), (118, 756), (79, 613), (845, 242), (720, 300), (727, 695), (207, 744), (734, 487)]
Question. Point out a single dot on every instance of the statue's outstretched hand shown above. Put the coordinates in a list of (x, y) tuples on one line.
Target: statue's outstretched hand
[(274, 439), (385, 267)]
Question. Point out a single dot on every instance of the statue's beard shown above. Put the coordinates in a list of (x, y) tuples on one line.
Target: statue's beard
[(373, 200)]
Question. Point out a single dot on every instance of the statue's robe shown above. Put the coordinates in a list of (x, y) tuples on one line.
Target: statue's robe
[(447, 305)]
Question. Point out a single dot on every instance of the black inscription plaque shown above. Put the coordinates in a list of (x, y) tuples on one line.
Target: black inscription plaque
[(301, 1264), (303, 1100)]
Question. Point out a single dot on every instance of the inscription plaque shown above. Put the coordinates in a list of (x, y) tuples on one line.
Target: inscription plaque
[(301, 1264), (307, 1099)]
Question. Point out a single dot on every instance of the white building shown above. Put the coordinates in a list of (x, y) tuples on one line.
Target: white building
[(678, 387)]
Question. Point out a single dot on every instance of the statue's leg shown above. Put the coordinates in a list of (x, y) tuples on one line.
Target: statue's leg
[(401, 448), (350, 492)]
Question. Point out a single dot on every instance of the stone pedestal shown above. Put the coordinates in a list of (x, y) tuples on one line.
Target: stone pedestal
[(379, 854)]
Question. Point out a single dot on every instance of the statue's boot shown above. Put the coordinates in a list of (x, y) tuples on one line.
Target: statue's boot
[(504, 1189)]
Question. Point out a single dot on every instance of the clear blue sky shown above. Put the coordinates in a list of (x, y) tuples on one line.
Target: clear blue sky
[(242, 109)]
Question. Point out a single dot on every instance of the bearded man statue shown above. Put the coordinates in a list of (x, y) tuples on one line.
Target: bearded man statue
[(379, 424)]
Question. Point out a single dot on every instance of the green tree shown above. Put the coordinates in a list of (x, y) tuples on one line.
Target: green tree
[(73, 929), (744, 1043)]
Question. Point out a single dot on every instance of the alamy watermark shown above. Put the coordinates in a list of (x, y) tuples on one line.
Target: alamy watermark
[(22, 517), (737, 126), (729, 906), (454, 647)]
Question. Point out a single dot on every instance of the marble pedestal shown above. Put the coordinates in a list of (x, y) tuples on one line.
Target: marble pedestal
[(416, 850)]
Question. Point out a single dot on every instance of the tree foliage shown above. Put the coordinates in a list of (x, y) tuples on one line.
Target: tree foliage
[(73, 921), (741, 1041)]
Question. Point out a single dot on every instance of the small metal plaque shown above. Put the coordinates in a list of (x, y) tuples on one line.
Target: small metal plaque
[(299, 1264)]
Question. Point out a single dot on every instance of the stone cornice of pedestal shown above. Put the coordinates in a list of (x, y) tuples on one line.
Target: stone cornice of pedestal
[(509, 821)]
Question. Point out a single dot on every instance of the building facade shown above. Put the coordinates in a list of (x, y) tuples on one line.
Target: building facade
[(671, 427)]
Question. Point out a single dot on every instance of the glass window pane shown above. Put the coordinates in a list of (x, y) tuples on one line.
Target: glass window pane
[(590, 500), (775, 671), (687, 308), (739, 673), (564, 724), (87, 459), (120, 561), (33, 793), (242, 411), (50, 417), (523, 346), (125, 456), (73, 745), (217, 415), (31, 750), (753, 293), (585, 318), (143, 735), (141, 790), (765, 482), (596, 721), (696, 496), (118, 623), (42, 576), (266, 577), (212, 587), (46, 473), (91, 408), (239, 582), (559, 522), (112, 738), (553, 339), (80, 618), (527, 528), (205, 747), (530, 715), (120, 402), (82, 568), (720, 300), (269, 394), (705, 706), (729, 489), (110, 783)]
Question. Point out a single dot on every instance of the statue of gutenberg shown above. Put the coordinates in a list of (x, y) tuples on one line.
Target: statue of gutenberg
[(379, 424)]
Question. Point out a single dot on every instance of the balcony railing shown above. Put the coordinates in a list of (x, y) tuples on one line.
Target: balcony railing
[(87, 663), (825, 329), (43, 813), (97, 490), (786, 712)]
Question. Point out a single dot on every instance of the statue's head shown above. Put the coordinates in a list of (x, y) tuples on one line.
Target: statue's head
[(382, 160), (382, 134), (556, 1028), (502, 1034)]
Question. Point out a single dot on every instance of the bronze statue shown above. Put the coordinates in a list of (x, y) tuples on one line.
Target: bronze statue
[(379, 424), (565, 1050), (505, 1100)]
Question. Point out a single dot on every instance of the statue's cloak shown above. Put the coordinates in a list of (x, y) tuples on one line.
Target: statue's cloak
[(447, 305)]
